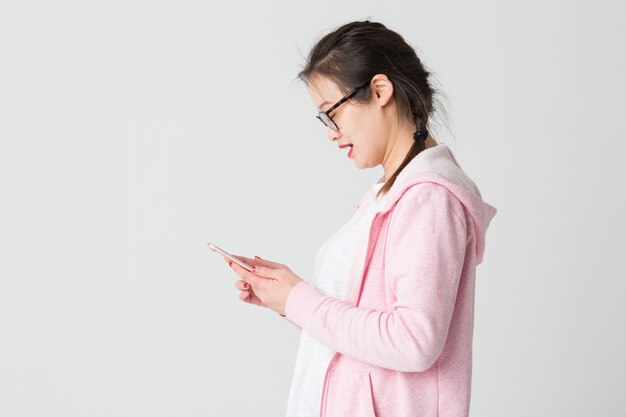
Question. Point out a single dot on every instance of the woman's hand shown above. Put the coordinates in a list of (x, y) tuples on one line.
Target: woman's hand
[(246, 293), (268, 286)]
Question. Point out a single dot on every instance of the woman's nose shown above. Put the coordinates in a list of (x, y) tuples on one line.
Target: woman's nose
[(332, 134)]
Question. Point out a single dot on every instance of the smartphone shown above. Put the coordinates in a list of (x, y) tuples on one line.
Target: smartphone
[(229, 256)]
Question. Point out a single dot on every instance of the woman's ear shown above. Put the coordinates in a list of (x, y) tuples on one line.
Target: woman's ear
[(383, 88)]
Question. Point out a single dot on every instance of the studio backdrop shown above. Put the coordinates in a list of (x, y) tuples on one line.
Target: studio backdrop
[(133, 133)]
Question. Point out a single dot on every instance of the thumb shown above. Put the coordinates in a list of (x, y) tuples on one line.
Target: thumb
[(270, 264), (265, 272)]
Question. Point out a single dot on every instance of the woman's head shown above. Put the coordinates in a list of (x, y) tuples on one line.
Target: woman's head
[(394, 101)]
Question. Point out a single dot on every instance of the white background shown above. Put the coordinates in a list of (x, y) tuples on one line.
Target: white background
[(134, 132)]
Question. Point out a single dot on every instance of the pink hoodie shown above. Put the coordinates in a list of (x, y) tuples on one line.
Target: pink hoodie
[(403, 337)]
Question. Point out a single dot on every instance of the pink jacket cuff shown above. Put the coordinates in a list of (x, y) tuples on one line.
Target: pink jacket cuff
[(301, 302)]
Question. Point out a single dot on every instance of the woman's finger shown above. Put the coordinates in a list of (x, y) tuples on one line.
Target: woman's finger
[(270, 264), (249, 261), (251, 298), (242, 285)]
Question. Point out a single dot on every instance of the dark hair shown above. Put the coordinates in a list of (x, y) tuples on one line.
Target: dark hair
[(355, 52)]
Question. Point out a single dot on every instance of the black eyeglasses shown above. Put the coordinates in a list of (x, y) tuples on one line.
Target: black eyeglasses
[(324, 115)]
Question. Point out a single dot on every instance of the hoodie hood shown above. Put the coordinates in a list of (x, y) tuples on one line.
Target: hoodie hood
[(439, 165)]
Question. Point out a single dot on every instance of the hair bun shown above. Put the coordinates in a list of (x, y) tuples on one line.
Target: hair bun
[(420, 134)]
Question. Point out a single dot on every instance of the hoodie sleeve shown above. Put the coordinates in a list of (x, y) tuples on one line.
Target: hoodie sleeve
[(424, 256), (289, 321)]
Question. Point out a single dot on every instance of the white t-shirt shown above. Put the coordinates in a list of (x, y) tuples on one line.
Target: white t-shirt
[(337, 261)]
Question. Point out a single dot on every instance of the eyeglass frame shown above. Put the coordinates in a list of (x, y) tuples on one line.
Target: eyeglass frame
[(345, 98)]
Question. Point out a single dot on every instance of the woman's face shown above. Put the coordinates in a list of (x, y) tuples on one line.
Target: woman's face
[(365, 126)]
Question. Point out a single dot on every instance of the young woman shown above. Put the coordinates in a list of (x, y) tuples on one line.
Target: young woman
[(387, 318)]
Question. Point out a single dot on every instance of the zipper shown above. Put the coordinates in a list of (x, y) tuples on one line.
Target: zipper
[(367, 258), (325, 386)]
